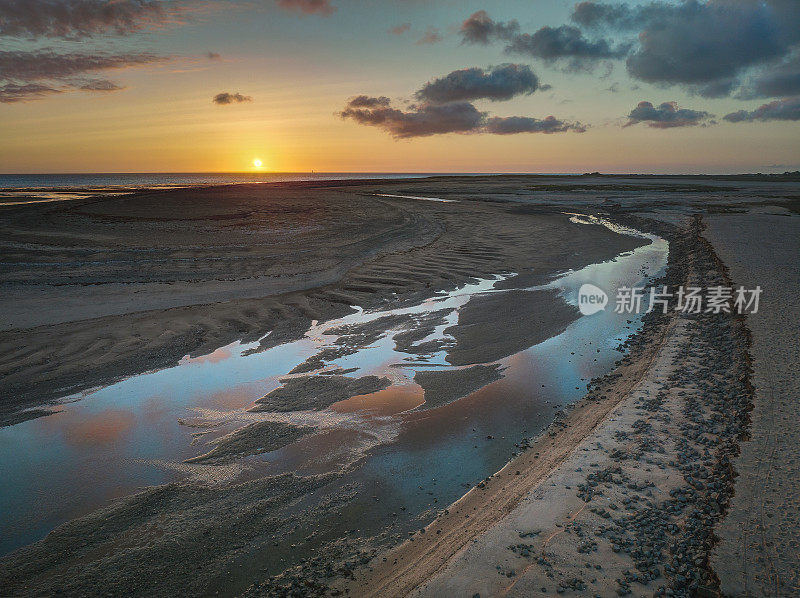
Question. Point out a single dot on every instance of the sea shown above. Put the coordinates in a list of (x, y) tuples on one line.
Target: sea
[(18, 189)]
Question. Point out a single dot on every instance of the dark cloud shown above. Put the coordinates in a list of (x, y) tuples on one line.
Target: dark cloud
[(225, 98), (99, 85), (308, 7), (41, 65), (553, 43), (621, 17), (548, 43), (595, 14), (13, 92), (665, 116), (703, 46), (719, 88), (74, 19), (424, 120), (363, 101), (495, 83), (400, 29), (786, 109), (431, 36), (780, 80), (418, 121), (512, 125), (479, 28)]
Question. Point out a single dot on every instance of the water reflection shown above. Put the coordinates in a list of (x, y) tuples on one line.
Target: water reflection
[(137, 432)]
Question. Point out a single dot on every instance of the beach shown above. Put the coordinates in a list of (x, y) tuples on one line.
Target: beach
[(429, 413)]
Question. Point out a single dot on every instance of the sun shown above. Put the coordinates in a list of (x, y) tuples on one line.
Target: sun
[(257, 163)]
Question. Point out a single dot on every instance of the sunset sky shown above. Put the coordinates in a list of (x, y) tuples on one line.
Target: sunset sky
[(404, 86)]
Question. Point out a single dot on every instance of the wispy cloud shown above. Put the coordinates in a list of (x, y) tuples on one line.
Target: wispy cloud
[(431, 36), (308, 7), (225, 98), (77, 19), (48, 64), (34, 75), (400, 29), (14, 92), (101, 85)]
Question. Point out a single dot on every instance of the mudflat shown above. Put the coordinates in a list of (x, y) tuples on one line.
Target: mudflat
[(99, 289), (626, 491)]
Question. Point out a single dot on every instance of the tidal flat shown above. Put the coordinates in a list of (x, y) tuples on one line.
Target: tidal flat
[(250, 389)]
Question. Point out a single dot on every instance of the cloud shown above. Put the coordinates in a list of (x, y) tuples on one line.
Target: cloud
[(13, 92), (308, 7), (363, 101), (225, 98), (424, 120), (595, 14), (665, 116), (553, 43), (511, 125), (26, 76), (75, 19), (495, 83), (547, 43), (479, 28), (431, 36), (418, 121), (704, 46), (48, 65), (400, 29), (102, 85), (785, 109), (780, 80)]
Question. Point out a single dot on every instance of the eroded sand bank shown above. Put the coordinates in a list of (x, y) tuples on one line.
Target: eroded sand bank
[(623, 494)]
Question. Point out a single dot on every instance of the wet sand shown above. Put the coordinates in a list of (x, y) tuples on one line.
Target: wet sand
[(652, 433), (623, 494), (100, 289)]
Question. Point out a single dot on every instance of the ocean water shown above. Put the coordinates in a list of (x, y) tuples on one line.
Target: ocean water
[(18, 189), (87, 180)]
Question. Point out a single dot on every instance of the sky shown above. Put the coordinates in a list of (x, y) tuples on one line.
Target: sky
[(550, 86)]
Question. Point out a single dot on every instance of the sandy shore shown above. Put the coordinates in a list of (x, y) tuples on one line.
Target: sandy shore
[(100, 289), (759, 553), (624, 493)]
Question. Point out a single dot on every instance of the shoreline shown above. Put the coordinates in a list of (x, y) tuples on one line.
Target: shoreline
[(456, 554), (374, 250), (177, 499), (624, 425), (401, 570)]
